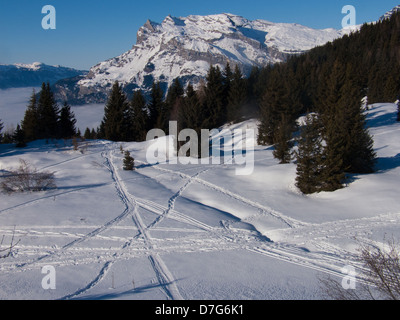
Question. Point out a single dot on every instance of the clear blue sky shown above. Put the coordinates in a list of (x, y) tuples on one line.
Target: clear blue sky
[(90, 31)]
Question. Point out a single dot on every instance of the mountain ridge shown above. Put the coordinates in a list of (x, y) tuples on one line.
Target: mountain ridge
[(185, 47), (388, 14), (20, 75)]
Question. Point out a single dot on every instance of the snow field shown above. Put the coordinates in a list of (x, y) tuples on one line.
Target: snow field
[(189, 231)]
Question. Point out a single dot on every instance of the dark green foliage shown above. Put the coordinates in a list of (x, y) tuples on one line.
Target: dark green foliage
[(158, 112), (19, 137), (90, 134), (190, 115), (359, 155), (333, 174), (331, 80), (237, 96), (283, 142), (334, 132), (344, 122), (309, 157), (129, 162), (227, 75), (44, 120), (93, 134), (67, 122), (214, 108), (87, 135), (8, 137), (271, 108), (115, 124), (373, 54), (30, 123), (174, 99), (1, 131), (48, 114), (138, 117)]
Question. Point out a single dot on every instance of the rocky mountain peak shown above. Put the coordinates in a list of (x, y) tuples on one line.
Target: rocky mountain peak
[(185, 47)]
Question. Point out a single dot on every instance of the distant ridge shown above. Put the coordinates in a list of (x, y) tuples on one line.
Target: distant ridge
[(21, 75)]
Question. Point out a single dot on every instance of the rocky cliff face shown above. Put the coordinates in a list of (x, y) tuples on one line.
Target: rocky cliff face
[(186, 47)]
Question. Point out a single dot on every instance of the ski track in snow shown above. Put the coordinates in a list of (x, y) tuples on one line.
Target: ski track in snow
[(292, 223), (164, 276), (201, 238)]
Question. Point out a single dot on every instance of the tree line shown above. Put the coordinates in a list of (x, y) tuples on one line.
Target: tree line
[(221, 98), (43, 119), (327, 84)]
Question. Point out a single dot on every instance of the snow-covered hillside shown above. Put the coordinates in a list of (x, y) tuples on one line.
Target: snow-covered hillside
[(179, 231), (185, 47)]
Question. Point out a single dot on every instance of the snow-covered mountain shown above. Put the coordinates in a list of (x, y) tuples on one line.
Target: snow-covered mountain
[(33, 75), (388, 14), (185, 48)]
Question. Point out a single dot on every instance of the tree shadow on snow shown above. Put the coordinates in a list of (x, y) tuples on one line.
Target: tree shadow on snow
[(375, 121), (387, 163)]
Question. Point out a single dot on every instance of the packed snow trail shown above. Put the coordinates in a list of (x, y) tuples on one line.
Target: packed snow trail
[(164, 276), (218, 238), (143, 228), (291, 223)]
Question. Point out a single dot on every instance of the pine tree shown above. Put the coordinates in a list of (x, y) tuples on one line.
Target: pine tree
[(227, 82), (214, 108), (334, 130), (93, 134), (173, 100), (333, 174), (309, 157), (283, 143), (87, 135), (237, 96), (67, 122), (359, 155), (1, 131), (190, 115), (115, 126), (30, 123), (347, 138), (157, 108), (271, 108), (129, 162), (48, 113), (19, 137), (138, 117)]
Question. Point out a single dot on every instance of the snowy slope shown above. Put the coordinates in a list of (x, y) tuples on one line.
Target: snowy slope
[(185, 47), (174, 231)]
